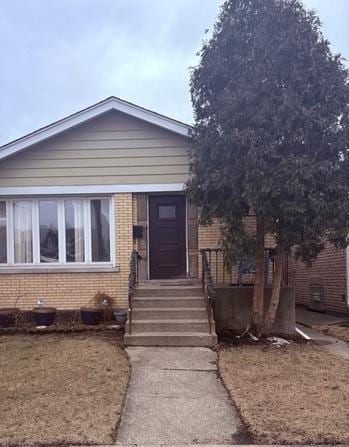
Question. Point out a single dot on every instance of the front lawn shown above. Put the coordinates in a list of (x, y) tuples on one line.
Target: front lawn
[(297, 394), (61, 389)]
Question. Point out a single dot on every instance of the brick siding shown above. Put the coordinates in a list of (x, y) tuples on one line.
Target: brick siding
[(328, 270)]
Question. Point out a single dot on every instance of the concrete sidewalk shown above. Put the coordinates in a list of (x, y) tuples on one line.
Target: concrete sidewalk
[(311, 318), (175, 397), (307, 320), (338, 347)]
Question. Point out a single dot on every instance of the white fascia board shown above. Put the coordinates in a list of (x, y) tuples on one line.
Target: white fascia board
[(90, 113), (150, 117), (88, 189)]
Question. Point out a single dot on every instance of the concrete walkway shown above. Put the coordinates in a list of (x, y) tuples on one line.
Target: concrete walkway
[(306, 319), (175, 397), (338, 347), (311, 318)]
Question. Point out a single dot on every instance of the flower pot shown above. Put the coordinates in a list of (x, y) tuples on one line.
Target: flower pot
[(120, 316), (7, 317), (44, 316), (91, 315)]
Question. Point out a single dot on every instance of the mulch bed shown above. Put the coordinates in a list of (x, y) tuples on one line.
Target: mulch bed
[(232, 338), (65, 321)]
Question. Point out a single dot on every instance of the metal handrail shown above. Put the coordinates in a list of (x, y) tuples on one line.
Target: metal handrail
[(207, 286), (222, 275), (132, 282)]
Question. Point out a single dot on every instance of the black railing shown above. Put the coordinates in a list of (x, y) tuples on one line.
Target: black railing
[(132, 283), (207, 286), (243, 272)]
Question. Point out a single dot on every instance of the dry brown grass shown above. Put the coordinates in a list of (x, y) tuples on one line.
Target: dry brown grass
[(61, 389), (298, 394)]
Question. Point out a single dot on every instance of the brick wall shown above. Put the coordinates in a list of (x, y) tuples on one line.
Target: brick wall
[(328, 270), (72, 290), (209, 236)]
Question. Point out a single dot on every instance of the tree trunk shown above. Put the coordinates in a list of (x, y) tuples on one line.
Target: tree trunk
[(258, 288), (275, 294)]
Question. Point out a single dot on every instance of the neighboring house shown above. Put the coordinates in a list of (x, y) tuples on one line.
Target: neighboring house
[(324, 285)]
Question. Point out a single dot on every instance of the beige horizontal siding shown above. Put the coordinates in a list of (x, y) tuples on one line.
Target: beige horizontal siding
[(97, 180), (111, 149), (89, 162), (91, 153), (91, 172)]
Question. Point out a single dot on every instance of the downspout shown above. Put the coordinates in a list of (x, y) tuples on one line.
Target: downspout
[(347, 269)]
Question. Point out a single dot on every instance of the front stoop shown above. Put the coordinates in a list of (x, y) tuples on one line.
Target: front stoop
[(170, 313)]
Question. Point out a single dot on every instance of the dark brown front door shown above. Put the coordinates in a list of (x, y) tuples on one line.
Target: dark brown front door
[(167, 247)]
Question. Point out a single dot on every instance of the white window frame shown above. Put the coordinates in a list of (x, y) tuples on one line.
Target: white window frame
[(62, 263)]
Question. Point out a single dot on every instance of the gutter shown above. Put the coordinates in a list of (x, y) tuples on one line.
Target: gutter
[(303, 334)]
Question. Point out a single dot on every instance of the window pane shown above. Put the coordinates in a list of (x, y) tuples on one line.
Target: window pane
[(74, 231), (22, 231), (100, 239), (167, 211), (48, 221), (3, 237)]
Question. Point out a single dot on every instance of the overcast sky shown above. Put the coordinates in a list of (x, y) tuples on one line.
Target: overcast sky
[(59, 56)]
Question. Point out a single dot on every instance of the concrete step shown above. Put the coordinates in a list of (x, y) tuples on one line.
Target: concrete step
[(170, 283), (178, 326), (168, 313), (169, 291), (170, 339), (169, 302)]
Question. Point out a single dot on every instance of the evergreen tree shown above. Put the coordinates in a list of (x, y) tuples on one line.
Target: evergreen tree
[(271, 105)]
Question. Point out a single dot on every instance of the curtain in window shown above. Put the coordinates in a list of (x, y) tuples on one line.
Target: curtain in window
[(100, 238), (48, 223), (3, 236), (22, 224), (74, 231)]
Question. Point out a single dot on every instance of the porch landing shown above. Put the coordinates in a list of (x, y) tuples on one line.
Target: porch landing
[(169, 313)]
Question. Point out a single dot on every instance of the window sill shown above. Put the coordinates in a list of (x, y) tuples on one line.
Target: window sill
[(4, 270)]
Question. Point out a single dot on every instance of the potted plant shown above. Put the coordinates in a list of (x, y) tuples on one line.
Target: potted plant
[(101, 305), (91, 315), (43, 316), (106, 303), (8, 317), (120, 316)]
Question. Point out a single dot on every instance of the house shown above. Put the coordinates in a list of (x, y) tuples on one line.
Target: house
[(323, 285), (79, 197)]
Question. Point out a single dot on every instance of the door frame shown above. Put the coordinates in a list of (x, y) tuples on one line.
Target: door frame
[(170, 193)]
